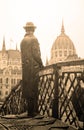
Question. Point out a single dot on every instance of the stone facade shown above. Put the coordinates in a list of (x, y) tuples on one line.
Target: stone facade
[(63, 49), (10, 70)]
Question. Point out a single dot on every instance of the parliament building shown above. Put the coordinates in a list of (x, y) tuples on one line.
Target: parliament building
[(10, 70), (62, 50)]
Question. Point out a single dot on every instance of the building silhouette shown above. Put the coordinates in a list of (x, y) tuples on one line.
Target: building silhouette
[(10, 70), (63, 49)]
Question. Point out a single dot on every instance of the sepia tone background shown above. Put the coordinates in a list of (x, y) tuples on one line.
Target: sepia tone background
[(47, 16)]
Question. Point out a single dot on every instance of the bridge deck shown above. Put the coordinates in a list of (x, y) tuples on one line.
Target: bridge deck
[(44, 123)]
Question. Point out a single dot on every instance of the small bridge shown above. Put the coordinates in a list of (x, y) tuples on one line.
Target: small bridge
[(61, 93)]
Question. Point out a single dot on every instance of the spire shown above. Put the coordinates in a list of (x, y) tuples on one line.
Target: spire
[(62, 29), (16, 47), (11, 42), (3, 47)]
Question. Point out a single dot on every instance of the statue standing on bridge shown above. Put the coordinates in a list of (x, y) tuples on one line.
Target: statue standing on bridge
[(31, 65)]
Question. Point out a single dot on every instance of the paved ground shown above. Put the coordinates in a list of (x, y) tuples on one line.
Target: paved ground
[(38, 123)]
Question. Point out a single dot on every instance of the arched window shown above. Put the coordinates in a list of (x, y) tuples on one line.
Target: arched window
[(0, 80), (7, 80), (13, 81), (0, 93), (65, 53), (6, 93), (60, 53)]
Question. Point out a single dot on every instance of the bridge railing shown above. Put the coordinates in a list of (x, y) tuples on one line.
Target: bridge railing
[(60, 93), (71, 92), (14, 103)]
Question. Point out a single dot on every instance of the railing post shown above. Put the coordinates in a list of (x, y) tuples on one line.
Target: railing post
[(55, 101)]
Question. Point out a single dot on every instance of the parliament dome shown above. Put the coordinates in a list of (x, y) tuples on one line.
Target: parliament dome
[(62, 48)]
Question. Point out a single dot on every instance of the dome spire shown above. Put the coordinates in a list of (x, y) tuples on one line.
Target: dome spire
[(16, 47), (3, 47), (62, 29)]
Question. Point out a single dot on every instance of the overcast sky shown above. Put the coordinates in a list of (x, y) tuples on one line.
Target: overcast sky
[(47, 15)]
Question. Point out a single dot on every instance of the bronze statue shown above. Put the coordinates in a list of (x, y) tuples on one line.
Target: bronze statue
[(31, 65)]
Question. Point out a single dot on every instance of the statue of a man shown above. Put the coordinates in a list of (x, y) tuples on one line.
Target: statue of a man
[(31, 65)]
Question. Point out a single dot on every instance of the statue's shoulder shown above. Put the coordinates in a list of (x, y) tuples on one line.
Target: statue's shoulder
[(26, 41)]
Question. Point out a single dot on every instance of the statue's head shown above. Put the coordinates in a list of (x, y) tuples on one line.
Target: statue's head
[(29, 27)]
